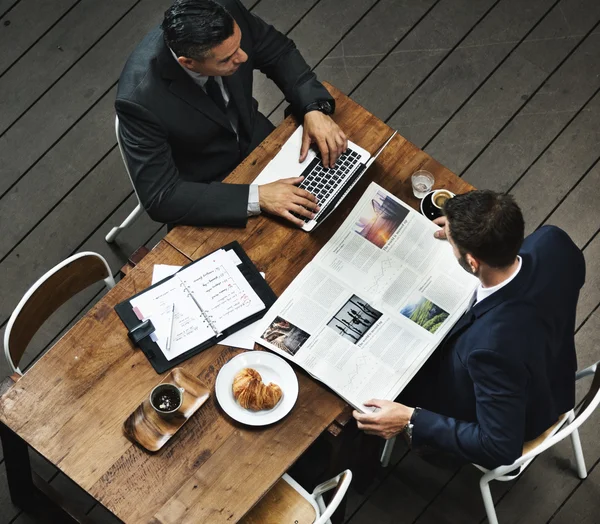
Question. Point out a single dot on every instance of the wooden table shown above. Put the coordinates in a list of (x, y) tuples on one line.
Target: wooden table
[(70, 406)]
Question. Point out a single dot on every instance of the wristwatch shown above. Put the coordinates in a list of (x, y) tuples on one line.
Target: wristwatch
[(408, 429), (325, 106)]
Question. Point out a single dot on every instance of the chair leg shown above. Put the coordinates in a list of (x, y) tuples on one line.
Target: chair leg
[(488, 501), (387, 452), (579, 459), (112, 235)]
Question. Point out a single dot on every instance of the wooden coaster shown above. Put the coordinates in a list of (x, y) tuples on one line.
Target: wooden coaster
[(148, 429)]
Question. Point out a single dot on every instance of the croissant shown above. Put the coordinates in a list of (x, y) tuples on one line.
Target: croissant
[(251, 393)]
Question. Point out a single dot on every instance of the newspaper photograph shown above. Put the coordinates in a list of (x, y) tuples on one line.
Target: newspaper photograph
[(373, 305)]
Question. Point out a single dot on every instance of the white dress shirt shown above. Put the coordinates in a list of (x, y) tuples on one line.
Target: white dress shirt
[(484, 292), (200, 80)]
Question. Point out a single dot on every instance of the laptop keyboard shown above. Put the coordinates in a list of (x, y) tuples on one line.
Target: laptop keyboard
[(323, 182)]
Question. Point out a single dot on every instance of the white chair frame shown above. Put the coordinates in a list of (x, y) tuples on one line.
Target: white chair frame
[(139, 209), (322, 511), (568, 426), (109, 281)]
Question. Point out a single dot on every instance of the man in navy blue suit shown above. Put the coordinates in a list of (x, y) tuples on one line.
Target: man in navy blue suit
[(506, 371)]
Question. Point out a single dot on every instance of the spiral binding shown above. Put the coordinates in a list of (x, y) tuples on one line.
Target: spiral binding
[(207, 316)]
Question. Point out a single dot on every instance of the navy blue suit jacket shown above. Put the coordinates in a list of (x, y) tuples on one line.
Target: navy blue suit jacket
[(506, 371)]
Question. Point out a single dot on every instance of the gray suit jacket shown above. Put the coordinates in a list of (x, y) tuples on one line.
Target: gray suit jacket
[(179, 146)]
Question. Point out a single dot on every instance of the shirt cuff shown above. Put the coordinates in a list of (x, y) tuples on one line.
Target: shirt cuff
[(253, 201)]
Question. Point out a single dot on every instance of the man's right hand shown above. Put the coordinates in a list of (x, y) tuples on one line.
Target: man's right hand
[(441, 234), (283, 197)]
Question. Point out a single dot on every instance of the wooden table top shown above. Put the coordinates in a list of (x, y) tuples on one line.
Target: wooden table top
[(70, 406)]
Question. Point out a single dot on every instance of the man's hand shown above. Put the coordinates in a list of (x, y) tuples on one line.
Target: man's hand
[(323, 131), (441, 221), (282, 197), (390, 420)]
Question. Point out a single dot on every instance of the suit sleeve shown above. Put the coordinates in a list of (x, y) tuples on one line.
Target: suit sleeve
[(497, 436), (277, 57), (165, 195)]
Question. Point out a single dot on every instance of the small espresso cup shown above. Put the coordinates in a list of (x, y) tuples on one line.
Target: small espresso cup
[(166, 399), (439, 197)]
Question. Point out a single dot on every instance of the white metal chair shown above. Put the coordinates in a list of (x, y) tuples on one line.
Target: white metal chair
[(566, 426), (51, 291), (139, 209), (288, 501)]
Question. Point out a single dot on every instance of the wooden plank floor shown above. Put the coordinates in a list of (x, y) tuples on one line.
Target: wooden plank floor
[(504, 92)]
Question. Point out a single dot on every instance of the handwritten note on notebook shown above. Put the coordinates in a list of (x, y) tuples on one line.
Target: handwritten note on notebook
[(244, 338), (209, 296)]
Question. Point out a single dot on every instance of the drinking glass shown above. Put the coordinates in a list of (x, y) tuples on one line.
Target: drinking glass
[(422, 182)]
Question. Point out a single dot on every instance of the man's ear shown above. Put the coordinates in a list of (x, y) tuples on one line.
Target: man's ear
[(188, 63), (474, 264)]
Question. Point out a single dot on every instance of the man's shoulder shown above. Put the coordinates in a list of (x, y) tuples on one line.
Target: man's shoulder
[(547, 237), (140, 69), (553, 255), (508, 326)]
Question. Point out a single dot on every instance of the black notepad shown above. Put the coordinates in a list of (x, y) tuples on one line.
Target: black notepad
[(200, 305)]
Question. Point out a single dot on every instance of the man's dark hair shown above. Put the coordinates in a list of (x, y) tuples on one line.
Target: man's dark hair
[(192, 28), (487, 225)]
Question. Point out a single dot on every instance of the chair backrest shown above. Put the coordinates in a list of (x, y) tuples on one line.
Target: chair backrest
[(123, 155), (587, 407), (341, 483), (50, 292)]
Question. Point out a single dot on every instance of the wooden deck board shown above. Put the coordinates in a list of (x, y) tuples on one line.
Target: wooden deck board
[(58, 50), (29, 20), (512, 84), (359, 52), (579, 213), (315, 35), (417, 55), (71, 159), (523, 118), (572, 154), (463, 71), (46, 245), (540, 121), (74, 93), (590, 294), (582, 507), (6, 6)]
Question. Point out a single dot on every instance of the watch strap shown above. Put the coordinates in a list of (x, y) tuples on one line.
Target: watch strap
[(324, 106)]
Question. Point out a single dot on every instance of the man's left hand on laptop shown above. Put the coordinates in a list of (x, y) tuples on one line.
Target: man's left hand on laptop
[(283, 197), (321, 130)]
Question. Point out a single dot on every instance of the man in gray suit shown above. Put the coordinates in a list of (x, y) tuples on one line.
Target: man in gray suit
[(187, 116)]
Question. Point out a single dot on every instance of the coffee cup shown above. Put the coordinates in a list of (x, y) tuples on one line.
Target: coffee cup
[(439, 197), (166, 399)]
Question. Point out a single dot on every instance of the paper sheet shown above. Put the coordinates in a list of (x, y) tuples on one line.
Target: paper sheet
[(244, 338), (162, 271)]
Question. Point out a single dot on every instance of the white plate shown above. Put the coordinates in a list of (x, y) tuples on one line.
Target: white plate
[(272, 369)]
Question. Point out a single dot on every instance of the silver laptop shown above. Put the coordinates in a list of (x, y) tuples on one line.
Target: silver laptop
[(329, 185)]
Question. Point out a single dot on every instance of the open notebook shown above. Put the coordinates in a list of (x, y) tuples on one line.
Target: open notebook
[(198, 306)]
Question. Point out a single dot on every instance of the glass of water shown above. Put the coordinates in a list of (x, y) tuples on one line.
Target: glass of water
[(422, 182)]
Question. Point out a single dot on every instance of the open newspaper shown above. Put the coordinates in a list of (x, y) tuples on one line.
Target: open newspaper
[(373, 305)]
